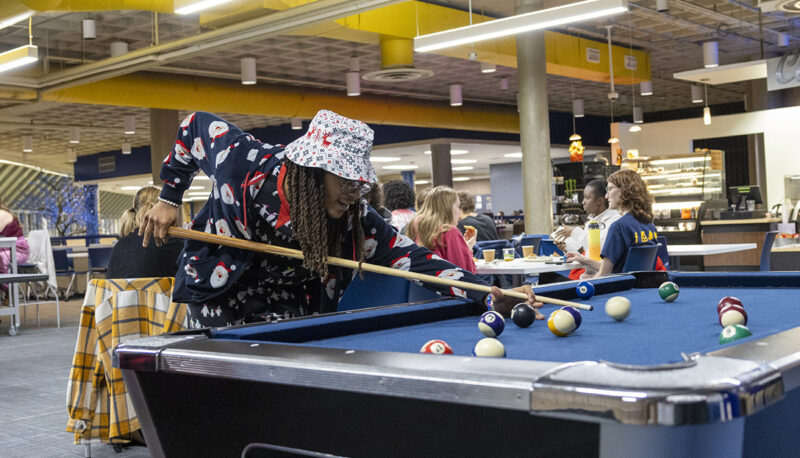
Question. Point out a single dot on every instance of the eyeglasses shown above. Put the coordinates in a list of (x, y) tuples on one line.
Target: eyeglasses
[(348, 186)]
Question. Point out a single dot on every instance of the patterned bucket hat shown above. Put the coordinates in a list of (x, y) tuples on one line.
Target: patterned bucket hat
[(337, 145)]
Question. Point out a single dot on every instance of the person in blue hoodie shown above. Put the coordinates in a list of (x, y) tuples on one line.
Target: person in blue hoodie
[(306, 196)]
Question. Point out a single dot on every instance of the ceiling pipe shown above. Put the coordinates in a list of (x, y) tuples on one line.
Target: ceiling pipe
[(723, 18), (244, 32)]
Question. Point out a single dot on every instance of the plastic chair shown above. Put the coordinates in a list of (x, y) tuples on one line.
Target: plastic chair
[(41, 261), (663, 253), (766, 251), (64, 267), (373, 291), (496, 245), (527, 240), (641, 258), (99, 256), (547, 247)]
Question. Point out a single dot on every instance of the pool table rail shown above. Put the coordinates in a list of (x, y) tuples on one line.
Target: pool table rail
[(706, 389)]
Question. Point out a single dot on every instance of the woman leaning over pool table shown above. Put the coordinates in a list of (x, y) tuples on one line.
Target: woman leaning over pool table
[(306, 196)]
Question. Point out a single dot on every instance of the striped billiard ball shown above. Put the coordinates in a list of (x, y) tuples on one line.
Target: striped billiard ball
[(668, 291), (728, 300), (734, 332), (437, 347), (491, 324), (561, 322)]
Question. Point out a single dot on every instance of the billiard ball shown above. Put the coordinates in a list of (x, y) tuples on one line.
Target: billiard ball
[(584, 290), (733, 332), (491, 324), (437, 347), (618, 307), (523, 315), (576, 315), (728, 300), (489, 347), (668, 291), (561, 322), (732, 314)]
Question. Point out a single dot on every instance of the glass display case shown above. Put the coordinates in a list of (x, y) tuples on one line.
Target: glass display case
[(680, 185)]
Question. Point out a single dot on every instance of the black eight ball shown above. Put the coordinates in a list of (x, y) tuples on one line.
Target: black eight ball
[(522, 315)]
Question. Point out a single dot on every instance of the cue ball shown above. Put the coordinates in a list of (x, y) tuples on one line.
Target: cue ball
[(584, 290), (522, 315), (489, 347), (491, 324), (618, 307), (668, 291), (437, 347)]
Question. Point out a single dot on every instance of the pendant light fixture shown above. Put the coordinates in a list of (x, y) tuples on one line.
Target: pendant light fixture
[(612, 94), (706, 110), (455, 95), (74, 134), (249, 71), (130, 125), (297, 123), (126, 147), (354, 78), (503, 84), (711, 54), (488, 67), (646, 88), (27, 144), (697, 93)]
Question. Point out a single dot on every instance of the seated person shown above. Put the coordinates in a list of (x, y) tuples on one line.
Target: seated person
[(576, 239), (399, 199), (375, 200), (129, 259), (127, 222), (626, 193), (11, 227), (484, 225), (434, 227)]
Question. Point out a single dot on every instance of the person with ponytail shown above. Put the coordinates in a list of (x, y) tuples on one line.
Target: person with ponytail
[(129, 259), (309, 196), (11, 227)]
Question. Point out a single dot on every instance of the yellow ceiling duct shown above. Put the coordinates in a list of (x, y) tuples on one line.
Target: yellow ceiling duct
[(153, 90), (567, 55), (159, 6)]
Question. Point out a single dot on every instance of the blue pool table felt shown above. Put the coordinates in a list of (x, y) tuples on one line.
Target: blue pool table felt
[(656, 332)]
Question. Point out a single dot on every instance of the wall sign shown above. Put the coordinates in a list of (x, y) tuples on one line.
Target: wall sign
[(784, 72), (630, 62), (593, 55)]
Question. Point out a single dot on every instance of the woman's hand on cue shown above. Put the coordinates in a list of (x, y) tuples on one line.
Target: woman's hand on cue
[(157, 222), (504, 304)]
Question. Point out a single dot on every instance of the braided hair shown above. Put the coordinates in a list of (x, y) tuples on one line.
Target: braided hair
[(319, 235)]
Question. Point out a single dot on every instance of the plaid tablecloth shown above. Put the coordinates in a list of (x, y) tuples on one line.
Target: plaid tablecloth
[(114, 311)]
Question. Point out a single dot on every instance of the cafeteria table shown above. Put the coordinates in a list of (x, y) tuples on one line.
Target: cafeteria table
[(676, 251)]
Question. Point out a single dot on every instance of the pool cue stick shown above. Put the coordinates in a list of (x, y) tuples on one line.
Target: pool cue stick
[(216, 239)]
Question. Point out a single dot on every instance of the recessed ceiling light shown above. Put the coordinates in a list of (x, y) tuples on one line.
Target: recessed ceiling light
[(453, 152), (461, 178), (400, 167), (463, 161), (384, 159), (463, 167), (514, 155)]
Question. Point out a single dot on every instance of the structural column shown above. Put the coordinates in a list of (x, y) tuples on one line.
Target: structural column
[(441, 169), (408, 177), (534, 126), (163, 129)]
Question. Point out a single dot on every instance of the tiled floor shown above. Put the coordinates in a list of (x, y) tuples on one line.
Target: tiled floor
[(34, 369)]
